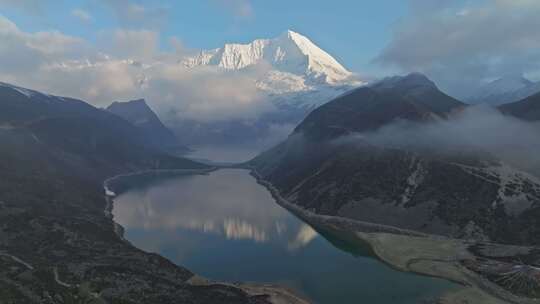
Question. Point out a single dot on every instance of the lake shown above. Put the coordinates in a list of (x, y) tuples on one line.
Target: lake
[(224, 226)]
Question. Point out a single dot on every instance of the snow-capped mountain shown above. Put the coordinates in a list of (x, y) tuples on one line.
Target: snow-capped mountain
[(505, 90), (296, 67)]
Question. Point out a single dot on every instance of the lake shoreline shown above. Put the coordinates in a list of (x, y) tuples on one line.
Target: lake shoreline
[(475, 287), (276, 294)]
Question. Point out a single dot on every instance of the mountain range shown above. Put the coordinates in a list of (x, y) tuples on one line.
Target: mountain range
[(331, 165), (57, 151), (290, 71), (293, 64), (59, 242)]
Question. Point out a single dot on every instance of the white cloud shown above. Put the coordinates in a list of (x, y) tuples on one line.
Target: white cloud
[(126, 64), (82, 15), (21, 52), (460, 45), (134, 44), (475, 129)]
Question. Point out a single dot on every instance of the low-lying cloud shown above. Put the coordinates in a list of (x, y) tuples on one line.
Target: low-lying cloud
[(479, 129), (123, 65)]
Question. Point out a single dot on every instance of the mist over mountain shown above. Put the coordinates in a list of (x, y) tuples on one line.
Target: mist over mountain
[(292, 76), (415, 158), (505, 90), (269, 152), (413, 97), (526, 109)]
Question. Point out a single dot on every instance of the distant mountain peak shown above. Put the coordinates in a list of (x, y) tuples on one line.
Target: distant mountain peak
[(133, 110), (518, 78), (140, 103), (506, 89), (505, 84), (290, 52), (141, 115), (412, 80)]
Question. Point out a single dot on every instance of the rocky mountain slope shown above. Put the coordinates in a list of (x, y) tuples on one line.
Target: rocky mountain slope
[(141, 115), (526, 109), (58, 242), (413, 98), (330, 167)]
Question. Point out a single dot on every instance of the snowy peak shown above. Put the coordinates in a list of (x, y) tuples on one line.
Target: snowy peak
[(316, 62), (290, 52)]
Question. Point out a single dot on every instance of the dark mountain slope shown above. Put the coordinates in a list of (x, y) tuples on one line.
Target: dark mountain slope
[(413, 98), (526, 109), (58, 242), (141, 115), (21, 105), (464, 193)]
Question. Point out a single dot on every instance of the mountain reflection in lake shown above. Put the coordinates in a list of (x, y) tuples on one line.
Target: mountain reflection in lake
[(225, 226)]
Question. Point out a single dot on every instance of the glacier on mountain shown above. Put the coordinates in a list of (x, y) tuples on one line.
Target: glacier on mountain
[(300, 74)]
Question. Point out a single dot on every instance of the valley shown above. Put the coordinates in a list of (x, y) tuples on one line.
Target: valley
[(269, 152), (226, 227), (115, 215)]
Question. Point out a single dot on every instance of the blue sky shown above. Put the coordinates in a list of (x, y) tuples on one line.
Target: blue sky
[(352, 31), (460, 44)]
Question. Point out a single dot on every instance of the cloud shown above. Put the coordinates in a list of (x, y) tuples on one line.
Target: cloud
[(239, 8), (123, 65), (134, 15), (134, 44), (205, 94), (476, 129), (462, 45), (82, 15), (21, 52)]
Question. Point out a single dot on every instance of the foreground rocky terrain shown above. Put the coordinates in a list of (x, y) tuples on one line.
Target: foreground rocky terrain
[(58, 242)]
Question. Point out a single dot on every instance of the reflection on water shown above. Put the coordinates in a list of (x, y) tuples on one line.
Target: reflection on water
[(189, 202), (227, 227)]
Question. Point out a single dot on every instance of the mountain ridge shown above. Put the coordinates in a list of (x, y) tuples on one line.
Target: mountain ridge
[(329, 166), (527, 109), (402, 97), (142, 116), (289, 52)]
